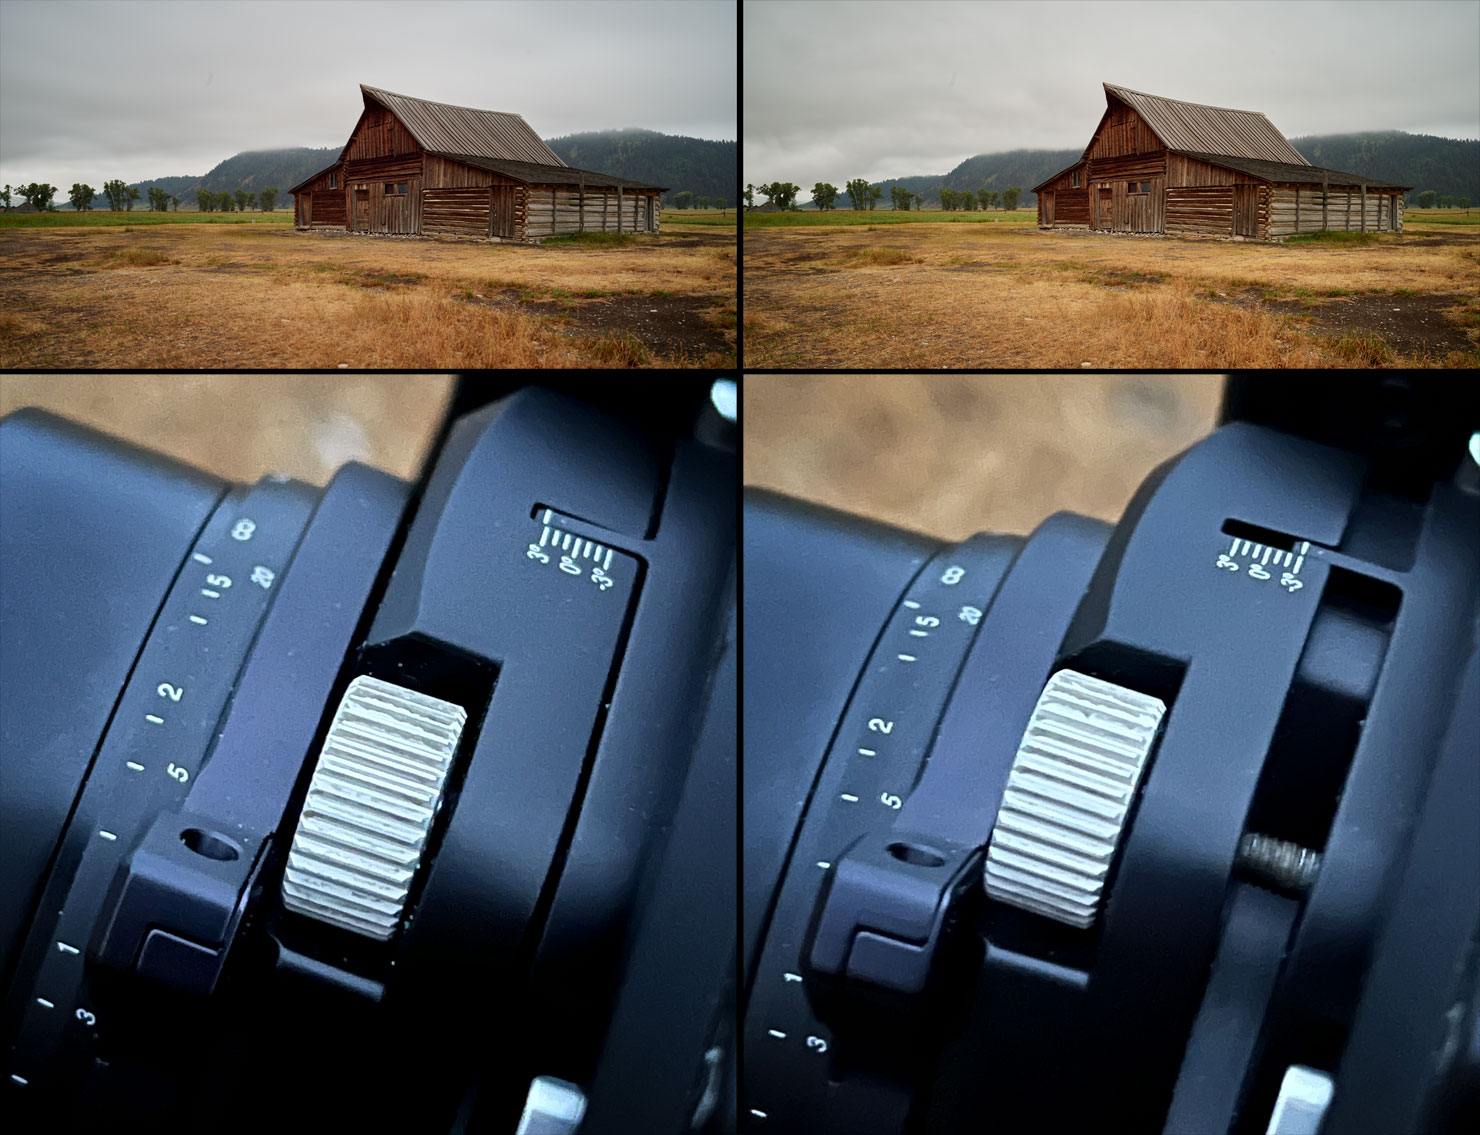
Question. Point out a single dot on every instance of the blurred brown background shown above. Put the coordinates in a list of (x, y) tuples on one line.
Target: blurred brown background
[(242, 426), (950, 455)]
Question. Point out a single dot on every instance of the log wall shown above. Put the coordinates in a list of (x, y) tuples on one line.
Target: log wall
[(1185, 171), (1071, 206), (1206, 209), (1343, 210), (327, 209), (444, 174), (555, 210), (456, 212)]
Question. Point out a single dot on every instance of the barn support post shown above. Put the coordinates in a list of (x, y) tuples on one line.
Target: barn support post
[(604, 195), (1297, 208), (1364, 208), (1323, 199), (581, 206), (1348, 208), (619, 208)]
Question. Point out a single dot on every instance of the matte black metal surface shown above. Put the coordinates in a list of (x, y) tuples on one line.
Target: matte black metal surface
[(92, 532)]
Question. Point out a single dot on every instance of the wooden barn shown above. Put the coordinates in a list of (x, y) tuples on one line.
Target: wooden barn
[(430, 169), (1157, 165)]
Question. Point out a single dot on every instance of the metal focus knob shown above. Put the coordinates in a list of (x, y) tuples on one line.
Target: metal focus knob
[(1068, 796), (375, 791)]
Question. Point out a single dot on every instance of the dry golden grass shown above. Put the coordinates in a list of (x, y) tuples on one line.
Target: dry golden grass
[(988, 296), (233, 296)]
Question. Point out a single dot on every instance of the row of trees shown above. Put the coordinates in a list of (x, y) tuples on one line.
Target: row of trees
[(239, 201), (865, 196), (121, 198), (1429, 199), (687, 200)]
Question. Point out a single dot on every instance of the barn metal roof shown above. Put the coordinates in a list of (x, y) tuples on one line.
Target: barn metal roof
[(537, 174), (1193, 128), (1304, 174), (443, 128)]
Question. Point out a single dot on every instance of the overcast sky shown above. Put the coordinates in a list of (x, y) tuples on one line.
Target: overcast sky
[(140, 89), (836, 90)]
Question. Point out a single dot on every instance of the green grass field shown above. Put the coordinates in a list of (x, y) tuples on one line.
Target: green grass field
[(884, 217), (1441, 217), (103, 218), (725, 219)]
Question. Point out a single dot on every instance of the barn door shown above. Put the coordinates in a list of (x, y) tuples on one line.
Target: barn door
[(1106, 219), (362, 210), (1048, 207), (1245, 210), (501, 212)]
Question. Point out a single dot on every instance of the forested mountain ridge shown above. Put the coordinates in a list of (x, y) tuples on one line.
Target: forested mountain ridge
[(681, 164), (1445, 165), (704, 168)]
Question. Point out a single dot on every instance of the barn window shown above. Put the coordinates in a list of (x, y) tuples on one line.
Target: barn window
[(395, 187), (333, 181), (1145, 187), (1074, 180)]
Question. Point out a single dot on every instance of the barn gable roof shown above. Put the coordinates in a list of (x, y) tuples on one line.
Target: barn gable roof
[(1194, 128), (443, 128)]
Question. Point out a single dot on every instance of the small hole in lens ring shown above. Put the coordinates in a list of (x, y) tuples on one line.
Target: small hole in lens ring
[(209, 845), (916, 856)]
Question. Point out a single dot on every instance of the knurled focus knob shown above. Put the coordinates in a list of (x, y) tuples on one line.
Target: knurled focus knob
[(374, 794), (1069, 795)]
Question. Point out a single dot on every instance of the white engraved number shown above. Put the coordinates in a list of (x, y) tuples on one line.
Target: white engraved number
[(1256, 571), (817, 1044), (174, 693), (1226, 564), (87, 1017), (243, 529), (263, 576), (601, 579), (179, 773), (534, 553), (569, 566), (221, 581), (889, 800), (970, 615), (1290, 583), (879, 725), (953, 575)]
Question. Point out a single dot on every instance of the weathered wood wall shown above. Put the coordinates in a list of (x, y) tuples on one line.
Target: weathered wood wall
[(554, 210), (1122, 132), (1343, 210), (456, 212), (1071, 206), (444, 174), (1206, 209), (379, 134), (1185, 171)]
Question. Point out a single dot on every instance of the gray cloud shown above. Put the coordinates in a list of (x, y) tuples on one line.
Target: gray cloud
[(91, 91), (838, 90)]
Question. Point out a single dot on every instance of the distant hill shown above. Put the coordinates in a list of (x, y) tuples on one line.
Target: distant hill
[(1445, 165), (709, 169), (704, 168), (251, 170), (1424, 162)]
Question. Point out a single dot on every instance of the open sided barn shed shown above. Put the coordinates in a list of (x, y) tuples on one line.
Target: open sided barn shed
[(1157, 165), (430, 169)]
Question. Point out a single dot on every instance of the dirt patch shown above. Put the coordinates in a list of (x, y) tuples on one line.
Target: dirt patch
[(666, 325), (1407, 324)]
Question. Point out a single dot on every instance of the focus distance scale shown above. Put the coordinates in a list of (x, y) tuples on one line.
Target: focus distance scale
[(159, 741), (293, 774)]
